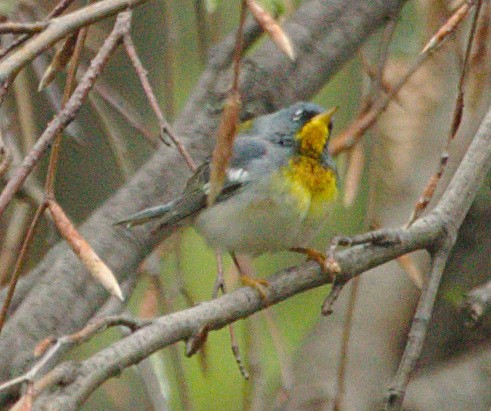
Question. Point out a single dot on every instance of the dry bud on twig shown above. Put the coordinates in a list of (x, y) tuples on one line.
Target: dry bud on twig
[(448, 27), (270, 26), (59, 62), (84, 251), (224, 145)]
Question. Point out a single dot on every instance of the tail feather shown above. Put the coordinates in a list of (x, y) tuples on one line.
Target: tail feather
[(170, 213), (146, 215)]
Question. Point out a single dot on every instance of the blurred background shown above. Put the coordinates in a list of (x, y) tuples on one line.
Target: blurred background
[(293, 355)]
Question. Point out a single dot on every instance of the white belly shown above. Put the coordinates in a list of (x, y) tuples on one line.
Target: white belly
[(252, 227)]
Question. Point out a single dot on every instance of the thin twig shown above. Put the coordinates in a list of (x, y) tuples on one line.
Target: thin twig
[(20, 28), (168, 56), (54, 97), (116, 102), (51, 346), (418, 330), (227, 129), (5, 156), (19, 263), (355, 131), (116, 141), (70, 84), (345, 339), (201, 30), (164, 125), (25, 111), (432, 184), (59, 28), (15, 231), (67, 114), (167, 307)]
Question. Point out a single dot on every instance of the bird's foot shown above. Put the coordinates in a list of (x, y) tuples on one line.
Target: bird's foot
[(258, 284), (327, 262)]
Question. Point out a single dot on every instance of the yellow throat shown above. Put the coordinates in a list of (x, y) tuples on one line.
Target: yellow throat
[(310, 182)]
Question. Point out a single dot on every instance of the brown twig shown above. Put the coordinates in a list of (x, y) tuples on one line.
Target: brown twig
[(60, 60), (57, 10), (284, 360), (168, 56), (117, 103), (67, 114), (51, 346), (19, 263), (418, 330), (5, 156), (354, 173), (116, 142), (166, 306), (345, 339), (201, 30), (355, 131), (432, 184), (75, 51), (356, 155), (227, 130), (15, 230), (59, 28), (20, 28), (25, 111), (164, 125), (96, 267)]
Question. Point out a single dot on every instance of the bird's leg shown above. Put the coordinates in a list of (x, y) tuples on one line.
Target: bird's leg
[(258, 284), (220, 279), (330, 266)]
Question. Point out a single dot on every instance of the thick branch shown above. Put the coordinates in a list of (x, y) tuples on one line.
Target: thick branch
[(434, 230), (325, 35), (239, 304)]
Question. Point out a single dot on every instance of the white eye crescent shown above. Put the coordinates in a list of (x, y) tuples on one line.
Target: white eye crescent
[(297, 114)]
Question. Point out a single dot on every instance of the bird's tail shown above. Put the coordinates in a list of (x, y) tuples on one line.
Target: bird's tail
[(169, 214), (146, 215)]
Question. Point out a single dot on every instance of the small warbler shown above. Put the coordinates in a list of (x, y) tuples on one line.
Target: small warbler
[(280, 185)]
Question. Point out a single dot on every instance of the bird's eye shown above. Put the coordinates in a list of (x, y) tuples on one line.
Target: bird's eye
[(297, 115), (284, 142)]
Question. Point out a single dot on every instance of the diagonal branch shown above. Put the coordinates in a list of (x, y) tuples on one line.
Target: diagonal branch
[(325, 35), (435, 232)]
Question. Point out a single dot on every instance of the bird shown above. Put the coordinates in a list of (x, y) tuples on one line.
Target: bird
[(280, 185)]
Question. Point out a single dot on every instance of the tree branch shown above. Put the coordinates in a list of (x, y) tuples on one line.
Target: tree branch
[(436, 230), (452, 208), (58, 28), (325, 35), (239, 304)]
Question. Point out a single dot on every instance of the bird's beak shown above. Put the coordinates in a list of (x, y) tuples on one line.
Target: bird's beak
[(326, 116)]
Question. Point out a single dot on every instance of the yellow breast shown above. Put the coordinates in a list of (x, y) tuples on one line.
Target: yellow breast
[(312, 185)]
